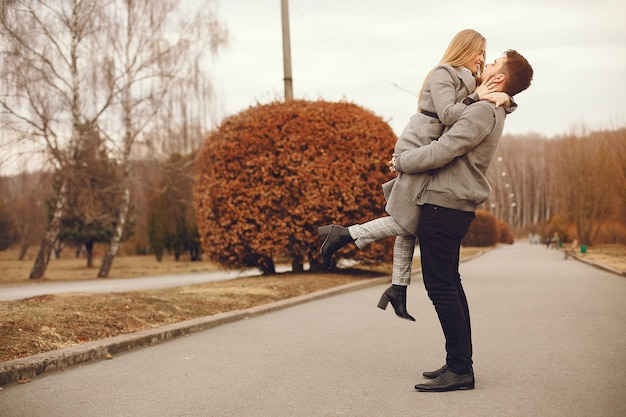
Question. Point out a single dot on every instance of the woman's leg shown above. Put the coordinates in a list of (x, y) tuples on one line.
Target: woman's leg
[(403, 250), (366, 233)]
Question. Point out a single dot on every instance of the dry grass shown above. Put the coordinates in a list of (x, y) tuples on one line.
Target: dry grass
[(610, 255), (49, 322), (69, 268), (45, 323)]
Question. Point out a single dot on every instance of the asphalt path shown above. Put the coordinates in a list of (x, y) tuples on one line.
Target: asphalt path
[(17, 292), (549, 340)]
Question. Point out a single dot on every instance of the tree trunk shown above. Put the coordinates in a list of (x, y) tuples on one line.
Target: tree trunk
[(107, 260), (47, 244), (194, 253), (41, 262), (267, 266), (24, 245), (315, 265), (89, 253), (58, 247), (297, 264)]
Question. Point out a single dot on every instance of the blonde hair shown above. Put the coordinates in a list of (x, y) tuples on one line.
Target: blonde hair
[(465, 45)]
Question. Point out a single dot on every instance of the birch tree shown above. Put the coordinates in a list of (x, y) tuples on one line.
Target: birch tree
[(112, 65), (158, 49), (48, 66)]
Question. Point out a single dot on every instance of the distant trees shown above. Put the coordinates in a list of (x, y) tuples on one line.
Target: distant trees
[(6, 226), (24, 196), (270, 175), (546, 185), (520, 176), (172, 224), (134, 71), (91, 212), (592, 189)]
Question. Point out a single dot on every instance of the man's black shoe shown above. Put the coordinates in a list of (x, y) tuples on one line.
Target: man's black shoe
[(448, 381), (435, 374)]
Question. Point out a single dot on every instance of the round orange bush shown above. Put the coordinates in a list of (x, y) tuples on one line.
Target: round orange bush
[(270, 175)]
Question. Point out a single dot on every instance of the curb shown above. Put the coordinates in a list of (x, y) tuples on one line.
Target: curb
[(24, 369), (595, 264)]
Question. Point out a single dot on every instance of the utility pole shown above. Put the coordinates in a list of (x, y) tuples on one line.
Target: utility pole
[(286, 51)]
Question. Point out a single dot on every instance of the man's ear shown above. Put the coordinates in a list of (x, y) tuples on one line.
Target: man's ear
[(498, 78)]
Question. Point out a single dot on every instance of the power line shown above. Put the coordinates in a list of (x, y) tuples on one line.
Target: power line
[(322, 19), (405, 90)]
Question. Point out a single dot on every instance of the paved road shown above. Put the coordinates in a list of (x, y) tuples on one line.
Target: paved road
[(549, 339), (16, 292)]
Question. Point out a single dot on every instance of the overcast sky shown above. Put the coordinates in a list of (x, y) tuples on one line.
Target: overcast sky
[(376, 54)]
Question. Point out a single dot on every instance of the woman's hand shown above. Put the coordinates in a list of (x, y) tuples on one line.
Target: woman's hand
[(484, 89), (498, 97), (487, 91)]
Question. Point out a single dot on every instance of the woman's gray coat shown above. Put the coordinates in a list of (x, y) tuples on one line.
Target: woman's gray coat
[(443, 93)]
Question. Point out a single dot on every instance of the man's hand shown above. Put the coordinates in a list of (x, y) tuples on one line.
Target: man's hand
[(392, 165)]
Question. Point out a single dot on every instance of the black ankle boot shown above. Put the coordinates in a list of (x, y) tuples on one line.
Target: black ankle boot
[(396, 294), (336, 237)]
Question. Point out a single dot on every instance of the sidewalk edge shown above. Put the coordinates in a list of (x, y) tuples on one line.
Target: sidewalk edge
[(595, 264)]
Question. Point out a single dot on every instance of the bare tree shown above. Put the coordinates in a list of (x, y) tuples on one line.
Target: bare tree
[(520, 181), (158, 49), (574, 179), (591, 183), (112, 65), (48, 64)]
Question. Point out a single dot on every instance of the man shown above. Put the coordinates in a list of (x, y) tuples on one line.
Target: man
[(458, 163)]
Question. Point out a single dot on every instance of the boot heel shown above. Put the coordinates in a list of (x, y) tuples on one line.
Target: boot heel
[(384, 302), (324, 230), (396, 295)]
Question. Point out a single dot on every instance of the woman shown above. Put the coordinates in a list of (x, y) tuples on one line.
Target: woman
[(447, 90)]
